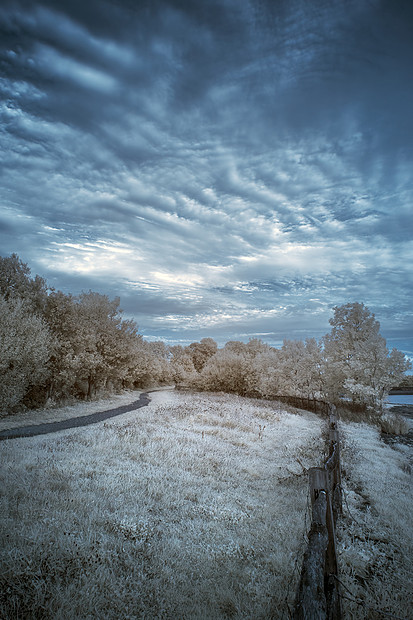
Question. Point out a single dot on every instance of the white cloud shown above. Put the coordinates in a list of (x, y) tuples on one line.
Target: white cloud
[(52, 62)]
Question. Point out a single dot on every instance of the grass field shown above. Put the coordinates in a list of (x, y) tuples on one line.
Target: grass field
[(189, 508), (194, 507)]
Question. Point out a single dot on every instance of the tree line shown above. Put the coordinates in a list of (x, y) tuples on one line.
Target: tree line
[(56, 346), (351, 364)]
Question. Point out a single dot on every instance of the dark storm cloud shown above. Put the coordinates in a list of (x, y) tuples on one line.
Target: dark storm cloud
[(225, 167)]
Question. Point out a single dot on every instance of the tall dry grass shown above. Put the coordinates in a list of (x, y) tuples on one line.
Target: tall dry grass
[(194, 507)]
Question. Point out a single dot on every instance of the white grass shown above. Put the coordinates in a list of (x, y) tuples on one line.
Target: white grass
[(193, 507), (376, 532)]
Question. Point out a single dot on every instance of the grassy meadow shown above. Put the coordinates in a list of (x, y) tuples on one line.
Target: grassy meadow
[(376, 530), (194, 507)]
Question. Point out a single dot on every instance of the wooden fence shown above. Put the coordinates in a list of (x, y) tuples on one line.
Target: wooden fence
[(317, 595), (309, 404)]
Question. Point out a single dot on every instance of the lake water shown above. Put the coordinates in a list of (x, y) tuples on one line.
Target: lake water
[(400, 399)]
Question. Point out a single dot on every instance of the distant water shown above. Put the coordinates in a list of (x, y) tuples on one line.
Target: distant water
[(400, 399), (403, 405)]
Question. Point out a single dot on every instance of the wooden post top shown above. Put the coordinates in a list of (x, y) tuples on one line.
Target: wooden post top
[(333, 435), (318, 482)]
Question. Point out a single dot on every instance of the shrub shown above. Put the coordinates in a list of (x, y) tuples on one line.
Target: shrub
[(393, 424)]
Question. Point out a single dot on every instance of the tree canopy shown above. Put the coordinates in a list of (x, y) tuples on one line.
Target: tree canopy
[(55, 346)]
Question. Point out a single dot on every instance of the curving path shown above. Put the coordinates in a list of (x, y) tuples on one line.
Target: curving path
[(52, 427)]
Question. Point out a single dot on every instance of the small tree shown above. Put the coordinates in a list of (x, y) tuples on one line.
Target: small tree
[(181, 364), (226, 371), (299, 368), (233, 369), (151, 364), (202, 351), (267, 371)]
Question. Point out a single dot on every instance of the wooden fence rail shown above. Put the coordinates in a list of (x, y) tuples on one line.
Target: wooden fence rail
[(317, 595), (310, 404)]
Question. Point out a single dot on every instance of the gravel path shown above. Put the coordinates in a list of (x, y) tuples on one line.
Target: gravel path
[(52, 427)]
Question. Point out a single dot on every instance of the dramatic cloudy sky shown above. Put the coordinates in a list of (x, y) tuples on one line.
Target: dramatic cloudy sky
[(229, 168)]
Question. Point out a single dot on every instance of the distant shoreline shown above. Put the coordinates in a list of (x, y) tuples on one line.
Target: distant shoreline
[(408, 392)]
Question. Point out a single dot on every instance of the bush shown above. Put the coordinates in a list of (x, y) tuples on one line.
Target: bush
[(393, 424)]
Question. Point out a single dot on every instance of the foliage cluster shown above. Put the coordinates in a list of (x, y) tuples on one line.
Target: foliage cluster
[(351, 364), (55, 346)]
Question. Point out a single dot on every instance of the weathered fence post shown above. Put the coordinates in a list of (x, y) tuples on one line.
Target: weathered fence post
[(330, 567), (318, 596), (335, 471), (333, 417), (311, 601)]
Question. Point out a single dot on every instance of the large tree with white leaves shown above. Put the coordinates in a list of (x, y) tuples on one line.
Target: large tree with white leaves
[(16, 283), (25, 343), (357, 363)]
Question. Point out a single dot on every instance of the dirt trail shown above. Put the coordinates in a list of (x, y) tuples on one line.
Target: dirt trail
[(52, 427)]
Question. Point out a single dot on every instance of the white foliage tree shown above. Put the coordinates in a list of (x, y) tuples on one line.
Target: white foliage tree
[(201, 352), (93, 348), (181, 364), (293, 370), (16, 283), (300, 368), (24, 352), (357, 362), (266, 369), (233, 369), (226, 371)]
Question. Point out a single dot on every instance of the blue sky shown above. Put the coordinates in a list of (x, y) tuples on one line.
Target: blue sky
[(229, 168)]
